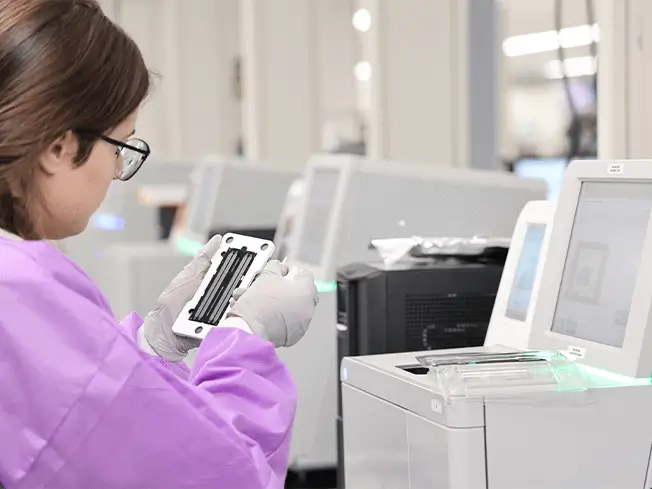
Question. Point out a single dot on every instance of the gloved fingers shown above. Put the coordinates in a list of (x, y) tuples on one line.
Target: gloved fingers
[(193, 273), (306, 278), (237, 293), (275, 267), (303, 274), (184, 287), (210, 248)]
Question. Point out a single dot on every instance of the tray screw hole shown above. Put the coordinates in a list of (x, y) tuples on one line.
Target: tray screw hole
[(229, 239), (264, 247), (191, 311), (199, 329), (223, 253)]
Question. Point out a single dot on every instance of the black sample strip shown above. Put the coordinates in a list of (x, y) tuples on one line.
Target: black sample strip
[(215, 300)]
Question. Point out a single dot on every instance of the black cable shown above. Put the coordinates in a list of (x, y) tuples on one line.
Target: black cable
[(593, 46), (575, 129)]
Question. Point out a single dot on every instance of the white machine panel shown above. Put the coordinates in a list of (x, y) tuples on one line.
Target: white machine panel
[(419, 436), (593, 302), (198, 213), (250, 194), (287, 221), (511, 319), (350, 201)]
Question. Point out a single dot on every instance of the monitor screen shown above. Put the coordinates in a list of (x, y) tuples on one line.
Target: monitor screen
[(550, 170), (203, 185), (526, 271), (320, 199), (602, 261)]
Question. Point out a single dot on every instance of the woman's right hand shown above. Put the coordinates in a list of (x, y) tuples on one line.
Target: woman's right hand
[(279, 305)]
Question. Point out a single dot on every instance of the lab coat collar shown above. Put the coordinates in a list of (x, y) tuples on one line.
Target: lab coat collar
[(8, 235)]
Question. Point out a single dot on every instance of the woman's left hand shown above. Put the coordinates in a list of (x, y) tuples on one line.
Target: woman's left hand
[(158, 323)]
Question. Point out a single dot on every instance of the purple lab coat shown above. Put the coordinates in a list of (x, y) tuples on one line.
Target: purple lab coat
[(81, 407)]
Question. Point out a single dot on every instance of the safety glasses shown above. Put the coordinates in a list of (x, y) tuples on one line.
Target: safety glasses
[(132, 154)]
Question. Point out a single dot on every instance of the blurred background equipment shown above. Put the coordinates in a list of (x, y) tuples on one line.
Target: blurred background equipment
[(141, 209), (347, 202)]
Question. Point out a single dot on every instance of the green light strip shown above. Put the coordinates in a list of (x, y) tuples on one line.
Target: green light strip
[(323, 286), (188, 246), (604, 378)]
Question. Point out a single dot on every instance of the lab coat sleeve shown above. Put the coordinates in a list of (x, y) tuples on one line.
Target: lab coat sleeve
[(82, 406), (132, 326)]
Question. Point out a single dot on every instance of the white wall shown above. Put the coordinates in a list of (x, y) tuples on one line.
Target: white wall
[(192, 47)]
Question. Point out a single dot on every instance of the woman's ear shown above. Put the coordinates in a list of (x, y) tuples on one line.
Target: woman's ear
[(60, 155)]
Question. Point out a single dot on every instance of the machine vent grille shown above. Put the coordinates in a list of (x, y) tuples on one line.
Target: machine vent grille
[(454, 321)]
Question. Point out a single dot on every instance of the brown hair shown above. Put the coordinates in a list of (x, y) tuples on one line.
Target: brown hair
[(63, 66)]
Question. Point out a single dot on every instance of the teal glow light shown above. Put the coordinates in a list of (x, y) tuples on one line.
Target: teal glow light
[(188, 246), (323, 286), (604, 378)]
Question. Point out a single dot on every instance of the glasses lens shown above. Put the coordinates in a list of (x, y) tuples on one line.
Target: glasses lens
[(132, 159)]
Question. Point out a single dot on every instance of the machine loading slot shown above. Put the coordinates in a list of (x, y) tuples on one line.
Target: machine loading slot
[(415, 369), (474, 359), (215, 300)]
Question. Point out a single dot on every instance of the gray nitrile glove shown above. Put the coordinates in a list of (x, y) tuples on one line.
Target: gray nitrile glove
[(158, 323), (279, 305)]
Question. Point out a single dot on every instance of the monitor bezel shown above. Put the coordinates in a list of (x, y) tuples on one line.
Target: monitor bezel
[(342, 163), (634, 359), (197, 180), (504, 330)]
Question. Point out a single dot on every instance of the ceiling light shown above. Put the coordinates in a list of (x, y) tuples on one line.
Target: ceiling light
[(362, 71), (362, 20), (543, 42), (573, 67)]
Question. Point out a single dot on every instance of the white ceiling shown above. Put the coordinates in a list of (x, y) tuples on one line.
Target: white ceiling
[(528, 16)]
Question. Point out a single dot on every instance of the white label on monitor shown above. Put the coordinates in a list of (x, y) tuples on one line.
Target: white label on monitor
[(577, 352), (615, 168)]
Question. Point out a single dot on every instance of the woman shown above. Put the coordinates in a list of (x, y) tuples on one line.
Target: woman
[(86, 402)]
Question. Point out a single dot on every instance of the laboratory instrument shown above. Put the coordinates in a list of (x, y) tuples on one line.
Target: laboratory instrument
[(348, 201), (434, 303), (570, 411), (513, 310)]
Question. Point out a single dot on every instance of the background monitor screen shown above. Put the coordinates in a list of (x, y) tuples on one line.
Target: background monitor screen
[(602, 261), (319, 204), (203, 187), (526, 271), (551, 170)]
